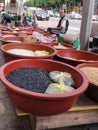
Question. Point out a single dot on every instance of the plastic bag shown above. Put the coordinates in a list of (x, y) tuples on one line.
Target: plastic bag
[(60, 86)]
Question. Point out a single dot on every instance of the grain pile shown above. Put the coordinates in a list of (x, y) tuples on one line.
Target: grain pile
[(91, 73)]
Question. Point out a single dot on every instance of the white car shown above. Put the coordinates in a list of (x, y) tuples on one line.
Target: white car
[(41, 15), (56, 14), (75, 15), (50, 12), (95, 17)]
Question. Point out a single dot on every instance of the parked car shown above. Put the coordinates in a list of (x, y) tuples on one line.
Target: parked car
[(56, 14), (42, 15), (50, 12), (75, 15), (95, 17)]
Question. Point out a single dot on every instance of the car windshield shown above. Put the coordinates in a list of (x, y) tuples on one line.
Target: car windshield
[(40, 11)]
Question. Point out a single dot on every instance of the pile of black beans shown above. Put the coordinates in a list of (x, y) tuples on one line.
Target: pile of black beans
[(32, 79)]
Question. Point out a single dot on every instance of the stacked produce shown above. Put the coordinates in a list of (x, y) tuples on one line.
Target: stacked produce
[(42, 81)]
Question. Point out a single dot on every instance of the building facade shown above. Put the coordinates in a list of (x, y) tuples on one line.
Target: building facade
[(14, 6)]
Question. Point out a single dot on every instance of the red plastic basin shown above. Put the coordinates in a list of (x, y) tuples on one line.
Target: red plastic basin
[(40, 103), (28, 46), (92, 91), (75, 57)]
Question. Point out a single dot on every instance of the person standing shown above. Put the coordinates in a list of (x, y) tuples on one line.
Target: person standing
[(23, 18), (34, 20)]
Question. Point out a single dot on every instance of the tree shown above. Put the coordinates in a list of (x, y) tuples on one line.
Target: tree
[(73, 1), (47, 3)]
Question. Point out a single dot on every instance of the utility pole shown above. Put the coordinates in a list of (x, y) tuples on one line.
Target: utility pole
[(20, 6), (86, 23)]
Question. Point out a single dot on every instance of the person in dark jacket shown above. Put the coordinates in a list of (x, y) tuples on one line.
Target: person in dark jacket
[(7, 18)]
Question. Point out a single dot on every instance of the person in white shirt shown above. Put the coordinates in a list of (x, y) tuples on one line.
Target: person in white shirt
[(63, 24)]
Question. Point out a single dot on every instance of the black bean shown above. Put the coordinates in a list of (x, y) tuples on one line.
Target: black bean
[(32, 79)]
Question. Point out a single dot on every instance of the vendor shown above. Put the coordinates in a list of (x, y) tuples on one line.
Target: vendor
[(63, 24)]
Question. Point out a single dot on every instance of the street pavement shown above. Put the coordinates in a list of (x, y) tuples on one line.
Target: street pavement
[(74, 25)]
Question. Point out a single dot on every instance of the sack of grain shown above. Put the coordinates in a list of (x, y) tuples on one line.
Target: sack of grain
[(21, 34), (29, 40)]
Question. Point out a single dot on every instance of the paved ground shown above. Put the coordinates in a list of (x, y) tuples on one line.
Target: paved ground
[(46, 24)]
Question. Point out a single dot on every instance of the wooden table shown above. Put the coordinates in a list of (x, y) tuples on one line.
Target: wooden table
[(84, 112)]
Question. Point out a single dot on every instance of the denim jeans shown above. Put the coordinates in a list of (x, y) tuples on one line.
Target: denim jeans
[(57, 31)]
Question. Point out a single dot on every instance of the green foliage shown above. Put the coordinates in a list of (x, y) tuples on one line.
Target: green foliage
[(43, 3), (47, 3), (77, 0), (74, 1)]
